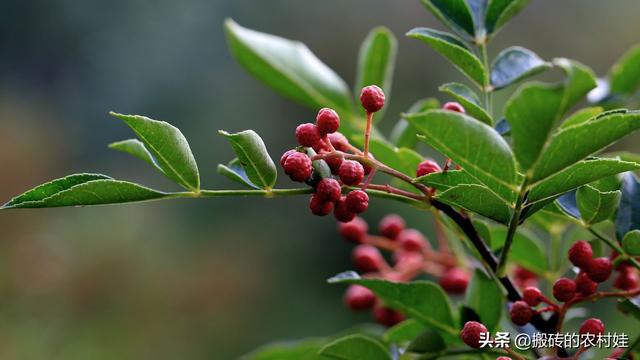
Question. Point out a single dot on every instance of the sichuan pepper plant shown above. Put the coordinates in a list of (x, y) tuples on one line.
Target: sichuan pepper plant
[(533, 218)]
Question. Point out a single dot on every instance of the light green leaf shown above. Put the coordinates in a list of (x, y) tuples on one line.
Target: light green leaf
[(254, 158), (291, 350), (514, 64), (477, 147), (532, 112), (624, 76), (579, 174), (578, 82), (453, 13), (501, 11), (289, 67), (484, 296), (631, 243), (575, 143), (478, 199), (355, 347), (527, 249), (428, 342), (581, 116), (236, 172), (376, 61), (136, 148), (405, 331), (452, 48), (403, 134), (169, 148), (446, 180), (468, 99), (421, 300), (83, 189), (596, 206)]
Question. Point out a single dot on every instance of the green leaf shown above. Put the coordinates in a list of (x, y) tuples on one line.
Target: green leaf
[(289, 67), (478, 199), (405, 331), (136, 148), (499, 12), (291, 350), (477, 147), (527, 249), (579, 174), (452, 48), (254, 158), (236, 172), (514, 64), (355, 347), (484, 296), (532, 112), (445, 180), (429, 341), (402, 159), (376, 61), (453, 13), (403, 134), (83, 189), (629, 306), (421, 300), (628, 216), (596, 206), (631, 243), (575, 143), (624, 76), (578, 82), (469, 100), (169, 148), (581, 116)]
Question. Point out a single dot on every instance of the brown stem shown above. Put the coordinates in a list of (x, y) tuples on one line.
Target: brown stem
[(367, 134)]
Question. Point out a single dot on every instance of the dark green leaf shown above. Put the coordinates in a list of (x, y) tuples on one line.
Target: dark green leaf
[(454, 50), (291, 350), (485, 297), (575, 143), (625, 74), (429, 341), (501, 11), (403, 134), (355, 347), (405, 331), (236, 172), (421, 300), (579, 174), (453, 13), (169, 148), (477, 147), (581, 116), (532, 112), (376, 61), (136, 148), (631, 243), (514, 64), (579, 81), (630, 306), (446, 180), (527, 249), (289, 67), (628, 217), (478, 199), (469, 100), (596, 206), (83, 189), (254, 158)]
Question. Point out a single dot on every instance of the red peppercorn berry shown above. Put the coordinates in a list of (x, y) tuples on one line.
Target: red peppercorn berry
[(584, 285), (412, 240), (340, 211), (320, 207), (627, 280), (455, 281), (564, 289), (298, 166), (367, 258), (470, 333), (372, 98), (387, 316), (339, 141), (580, 254), (308, 134), (599, 269), (391, 225), (592, 326), (354, 231), (327, 121), (532, 296), (329, 190), (453, 106), (521, 313), (427, 167), (357, 201), (351, 172), (358, 297)]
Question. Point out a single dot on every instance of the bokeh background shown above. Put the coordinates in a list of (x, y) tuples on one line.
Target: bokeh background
[(200, 279)]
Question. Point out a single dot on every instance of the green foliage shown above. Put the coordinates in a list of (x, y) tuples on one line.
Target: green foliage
[(376, 61), (254, 158), (631, 243), (485, 297), (596, 206), (625, 74), (514, 64), (469, 99), (299, 350), (355, 347)]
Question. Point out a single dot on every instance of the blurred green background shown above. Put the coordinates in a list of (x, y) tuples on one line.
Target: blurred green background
[(200, 279)]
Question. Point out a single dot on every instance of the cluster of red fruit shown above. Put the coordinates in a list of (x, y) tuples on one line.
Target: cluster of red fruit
[(412, 256)]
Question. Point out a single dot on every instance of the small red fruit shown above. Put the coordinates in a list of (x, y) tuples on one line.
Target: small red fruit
[(339, 141), (407, 261), (391, 225), (532, 296), (357, 201), (580, 254), (412, 240), (585, 285), (358, 297), (367, 258), (470, 333), (298, 166), (453, 106), (455, 281), (503, 358), (354, 231), (327, 121), (340, 211), (334, 162), (564, 289), (329, 190), (308, 134), (320, 207), (521, 313), (599, 269), (592, 326), (626, 280), (284, 156), (351, 172), (427, 167), (386, 316), (372, 98)]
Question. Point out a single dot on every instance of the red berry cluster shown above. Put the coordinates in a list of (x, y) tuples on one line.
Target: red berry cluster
[(412, 256)]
